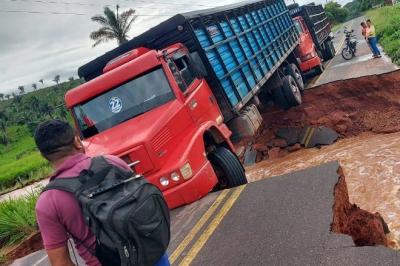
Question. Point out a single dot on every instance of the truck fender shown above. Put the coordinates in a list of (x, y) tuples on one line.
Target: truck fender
[(217, 135)]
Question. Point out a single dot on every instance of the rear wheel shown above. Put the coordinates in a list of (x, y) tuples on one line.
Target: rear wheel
[(319, 69), (227, 167), (347, 53), (329, 50), (291, 90), (294, 71)]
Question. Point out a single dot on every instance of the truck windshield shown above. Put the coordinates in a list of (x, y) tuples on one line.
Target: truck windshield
[(123, 102)]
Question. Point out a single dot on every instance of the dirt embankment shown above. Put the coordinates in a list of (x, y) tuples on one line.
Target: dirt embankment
[(352, 106), (365, 228)]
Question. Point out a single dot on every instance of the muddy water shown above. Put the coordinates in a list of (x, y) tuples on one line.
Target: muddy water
[(371, 164)]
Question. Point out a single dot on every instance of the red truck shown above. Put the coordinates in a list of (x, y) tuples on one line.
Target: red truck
[(168, 100), (315, 36)]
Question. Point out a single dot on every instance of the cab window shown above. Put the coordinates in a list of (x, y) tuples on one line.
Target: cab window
[(182, 72)]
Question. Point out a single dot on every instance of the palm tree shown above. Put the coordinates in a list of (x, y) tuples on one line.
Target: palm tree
[(114, 26), (8, 96), (57, 79), (41, 81), (34, 86), (2, 96), (21, 89)]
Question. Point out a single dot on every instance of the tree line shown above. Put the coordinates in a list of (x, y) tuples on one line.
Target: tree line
[(338, 14), (30, 109)]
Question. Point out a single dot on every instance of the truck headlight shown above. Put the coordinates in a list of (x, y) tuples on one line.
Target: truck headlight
[(175, 177), (164, 181), (186, 171)]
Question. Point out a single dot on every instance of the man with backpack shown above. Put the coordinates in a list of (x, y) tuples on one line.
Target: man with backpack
[(114, 216)]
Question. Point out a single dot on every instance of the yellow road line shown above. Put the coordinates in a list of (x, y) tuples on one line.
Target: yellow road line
[(211, 227), (303, 141), (309, 137), (189, 237)]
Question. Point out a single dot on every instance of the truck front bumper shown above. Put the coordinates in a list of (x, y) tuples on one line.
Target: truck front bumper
[(193, 189), (310, 64)]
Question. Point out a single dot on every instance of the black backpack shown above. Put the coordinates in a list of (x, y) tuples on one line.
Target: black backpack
[(128, 215)]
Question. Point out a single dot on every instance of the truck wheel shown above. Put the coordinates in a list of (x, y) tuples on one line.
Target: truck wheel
[(227, 167), (319, 69), (294, 71), (329, 50), (291, 90), (280, 99)]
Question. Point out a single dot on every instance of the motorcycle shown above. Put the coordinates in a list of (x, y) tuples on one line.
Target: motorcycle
[(349, 51)]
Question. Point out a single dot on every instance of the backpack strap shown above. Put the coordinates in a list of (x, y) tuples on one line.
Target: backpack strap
[(70, 184), (95, 174)]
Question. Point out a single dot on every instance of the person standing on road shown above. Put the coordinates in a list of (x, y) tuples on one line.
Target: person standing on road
[(371, 35), (364, 34), (58, 213)]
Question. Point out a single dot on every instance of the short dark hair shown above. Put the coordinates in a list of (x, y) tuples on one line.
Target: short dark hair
[(54, 136)]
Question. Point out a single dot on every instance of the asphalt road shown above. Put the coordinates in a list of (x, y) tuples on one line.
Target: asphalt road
[(361, 65)]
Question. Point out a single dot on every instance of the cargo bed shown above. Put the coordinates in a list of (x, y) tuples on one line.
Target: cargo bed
[(241, 45)]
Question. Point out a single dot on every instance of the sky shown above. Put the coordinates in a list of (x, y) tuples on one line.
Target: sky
[(38, 42)]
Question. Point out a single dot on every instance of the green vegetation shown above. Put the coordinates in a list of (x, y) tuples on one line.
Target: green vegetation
[(386, 20), (335, 13), (17, 219), (357, 7), (20, 162)]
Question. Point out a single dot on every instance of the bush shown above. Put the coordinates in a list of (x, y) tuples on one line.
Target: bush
[(17, 219)]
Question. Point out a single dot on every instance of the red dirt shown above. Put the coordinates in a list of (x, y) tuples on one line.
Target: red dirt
[(352, 106), (31, 244), (365, 228)]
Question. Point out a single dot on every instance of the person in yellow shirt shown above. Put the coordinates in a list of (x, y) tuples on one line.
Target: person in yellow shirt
[(371, 36)]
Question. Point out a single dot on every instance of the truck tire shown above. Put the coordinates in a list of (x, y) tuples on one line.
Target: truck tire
[(295, 72), (280, 98), (319, 69), (291, 90), (227, 167), (329, 50)]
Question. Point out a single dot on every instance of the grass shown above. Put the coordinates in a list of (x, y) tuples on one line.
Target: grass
[(386, 20), (20, 162), (17, 219), (337, 27)]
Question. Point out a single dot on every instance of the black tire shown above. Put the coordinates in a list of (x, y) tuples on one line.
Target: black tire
[(319, 69), (319, 53), (280, 99), (228, 168), (291, 90), (329, 50), (295, 72), (347, 54)]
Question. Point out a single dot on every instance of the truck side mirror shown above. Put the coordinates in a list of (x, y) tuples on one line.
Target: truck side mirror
[(197, 65)]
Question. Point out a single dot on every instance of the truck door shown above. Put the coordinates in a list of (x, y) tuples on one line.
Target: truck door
[(198, 97)]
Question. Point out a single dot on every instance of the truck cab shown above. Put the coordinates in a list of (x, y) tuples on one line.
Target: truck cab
[(154, 110), (306, 50)]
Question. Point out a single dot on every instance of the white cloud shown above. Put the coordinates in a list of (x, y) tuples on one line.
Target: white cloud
[(35, 46)]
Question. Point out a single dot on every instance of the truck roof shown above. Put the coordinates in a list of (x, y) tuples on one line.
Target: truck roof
[(153, 37)]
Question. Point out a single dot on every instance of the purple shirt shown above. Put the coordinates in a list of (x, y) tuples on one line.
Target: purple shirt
[(58, 212)]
